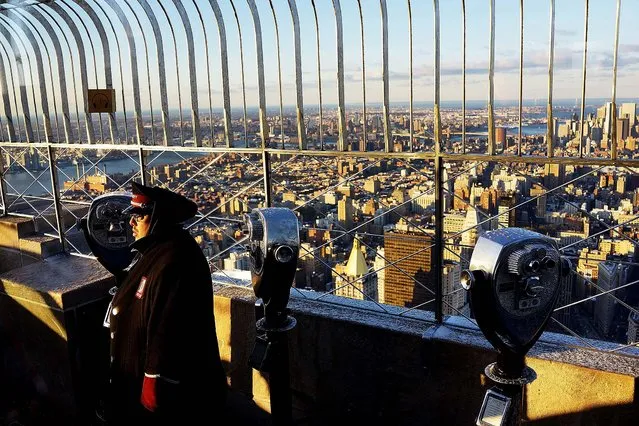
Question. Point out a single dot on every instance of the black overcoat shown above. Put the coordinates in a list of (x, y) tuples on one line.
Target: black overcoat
[(162, 326)]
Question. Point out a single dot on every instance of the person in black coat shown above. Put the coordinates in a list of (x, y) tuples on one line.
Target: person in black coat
[(165, 366)]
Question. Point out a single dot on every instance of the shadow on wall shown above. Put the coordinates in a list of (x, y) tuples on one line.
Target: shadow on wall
[(53, 363), (611, 415), (37, 375)]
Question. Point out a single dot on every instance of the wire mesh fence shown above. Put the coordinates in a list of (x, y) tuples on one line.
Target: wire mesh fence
[(391, 196)]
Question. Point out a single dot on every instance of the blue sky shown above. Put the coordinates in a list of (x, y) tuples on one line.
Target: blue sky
[(569, 15)]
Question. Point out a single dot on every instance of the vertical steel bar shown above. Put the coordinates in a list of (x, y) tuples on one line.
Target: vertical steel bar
[(239, 32), (15, 96), (361, 28), (521, 72), (83, 68), (410, 66), (34, 30), (386, 108), (319, 78), (42, 12), (550, 133), (95, 66), (148, 69), (41, 77), (583, 82), (613, 114), (56, 196), (279, 71), (177, 69), (436, 70), (139, 126), (117, 43), (22, 45), (6, 100), (438, 251), (159, 48), (266, 170), (491, 83), (3, 190), (299, 100), (195, 109), (208, 70), (108, 73), (341, 108), (142, 165), (264, 130), (26, 115), (463, 76), (224, 63)]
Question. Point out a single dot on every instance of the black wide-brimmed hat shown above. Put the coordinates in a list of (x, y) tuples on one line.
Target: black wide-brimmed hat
[(166, 206)]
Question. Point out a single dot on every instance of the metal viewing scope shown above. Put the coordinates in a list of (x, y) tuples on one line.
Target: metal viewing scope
[(513, 281), (107, 231), (274, 245)]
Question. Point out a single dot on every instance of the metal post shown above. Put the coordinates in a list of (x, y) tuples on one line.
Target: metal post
[(438, 251), (613, 107), (319, 77), (521, 72), (583, 83), (550, 133), (301, 131), (341, 108), (3, 191), (264, 130), (142, 166), (491, 83), (266, 165), (56, 196), (361, 27), (410, 66), (280, 380), (463, 77), (386, 108), (279, 71)]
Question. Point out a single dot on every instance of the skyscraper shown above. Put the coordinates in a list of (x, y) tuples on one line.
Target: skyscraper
[(379, 265), (345, 212), (629, 111), (355, 282), (622, 129), (501, 136), (409, 282), (611, 276), (453, 295)]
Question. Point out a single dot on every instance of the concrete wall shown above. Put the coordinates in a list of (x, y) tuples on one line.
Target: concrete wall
[(350, 364), (51, 340)]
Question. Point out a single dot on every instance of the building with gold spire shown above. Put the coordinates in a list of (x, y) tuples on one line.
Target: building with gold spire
[(354, 280)]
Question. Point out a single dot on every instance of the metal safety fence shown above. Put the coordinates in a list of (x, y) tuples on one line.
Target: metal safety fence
[(391, 196)]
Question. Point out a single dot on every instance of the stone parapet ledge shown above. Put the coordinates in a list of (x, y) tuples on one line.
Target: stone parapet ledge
[(352, 362), (51, 315)]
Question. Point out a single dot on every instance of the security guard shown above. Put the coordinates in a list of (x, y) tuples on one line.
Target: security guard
[(165, 363)]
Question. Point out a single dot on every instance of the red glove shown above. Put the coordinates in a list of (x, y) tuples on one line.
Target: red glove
[(149, 393)]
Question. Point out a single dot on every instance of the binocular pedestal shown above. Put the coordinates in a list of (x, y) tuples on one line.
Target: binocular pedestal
[(270, 355), (502, 405), (514, 282)]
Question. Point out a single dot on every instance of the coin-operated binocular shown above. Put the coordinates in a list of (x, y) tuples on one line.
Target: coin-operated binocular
[(274, 243), (107, 232), (513, 281)]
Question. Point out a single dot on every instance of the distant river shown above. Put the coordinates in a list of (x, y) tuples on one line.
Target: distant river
[(20, 181)]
